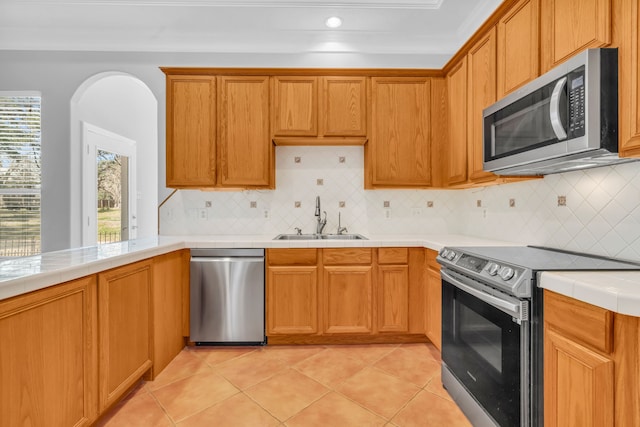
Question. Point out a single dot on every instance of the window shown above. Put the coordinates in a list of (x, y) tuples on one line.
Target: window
[(19, 174)]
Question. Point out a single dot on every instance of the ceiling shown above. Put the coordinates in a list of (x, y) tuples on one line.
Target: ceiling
[(375, 27)]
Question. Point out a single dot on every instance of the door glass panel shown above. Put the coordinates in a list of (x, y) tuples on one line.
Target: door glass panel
[(113, 208), (482, 336)]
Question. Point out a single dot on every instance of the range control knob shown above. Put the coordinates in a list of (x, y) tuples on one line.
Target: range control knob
[(444, 252), (451, 255), (506, 273), (493, 268)]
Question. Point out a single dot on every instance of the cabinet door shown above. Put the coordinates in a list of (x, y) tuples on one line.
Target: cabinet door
[(246, 150), (48, 361), (170, 276), (343, 107), (434, 308), (347, 300), (481, 92), (191, 131), (393, 298), (295, 106), (292, 300), (124, 300), (629, 75), (399, 150), (578, 384), (518, 46), (571, 26), (456, 153)]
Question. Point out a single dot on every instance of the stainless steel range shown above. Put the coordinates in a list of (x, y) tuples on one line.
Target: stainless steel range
[(492, 328)]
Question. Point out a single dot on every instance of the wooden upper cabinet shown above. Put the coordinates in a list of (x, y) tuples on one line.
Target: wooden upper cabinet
[(456, 152), (313, 110), (571, 26), (399, 150), (295, 106), (343, 104), (191, 131), (481, 92), (629, 78), (518, 46), (246, 151)]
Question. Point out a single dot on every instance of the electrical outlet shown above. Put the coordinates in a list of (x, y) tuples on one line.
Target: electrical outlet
[(386, 204), (387, 213), (416, 212), (266, 214), (168, 213), (319, 181), (253, 204), (202, 214), (512, 203), (478, 203)]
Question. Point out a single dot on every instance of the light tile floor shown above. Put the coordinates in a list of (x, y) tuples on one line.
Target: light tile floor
[(294, 386)]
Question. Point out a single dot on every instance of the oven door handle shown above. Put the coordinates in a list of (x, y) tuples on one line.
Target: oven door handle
[(514, 309)]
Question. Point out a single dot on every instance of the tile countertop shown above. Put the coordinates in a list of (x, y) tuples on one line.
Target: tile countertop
[(618, 291), (26, 274)]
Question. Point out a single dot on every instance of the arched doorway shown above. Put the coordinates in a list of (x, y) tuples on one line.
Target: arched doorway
[(119, 110)]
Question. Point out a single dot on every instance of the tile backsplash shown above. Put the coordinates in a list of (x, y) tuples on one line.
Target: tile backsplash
[(601, 214)]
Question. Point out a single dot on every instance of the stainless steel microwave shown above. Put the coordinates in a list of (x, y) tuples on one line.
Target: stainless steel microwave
[(564, 120)]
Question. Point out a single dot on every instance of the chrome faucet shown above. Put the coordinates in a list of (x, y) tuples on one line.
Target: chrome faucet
[(341, 229), (320, 222)]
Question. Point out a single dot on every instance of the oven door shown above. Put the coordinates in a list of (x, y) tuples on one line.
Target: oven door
[(485, 346)]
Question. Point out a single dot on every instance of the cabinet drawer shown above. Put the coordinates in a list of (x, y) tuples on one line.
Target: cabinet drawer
[(584, 322), (348, 256), (292, 256), (393, 256)]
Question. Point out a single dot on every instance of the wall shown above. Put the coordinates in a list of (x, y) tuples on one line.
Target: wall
[(125, 106), (601, 216), (364, 212), (58, 74)]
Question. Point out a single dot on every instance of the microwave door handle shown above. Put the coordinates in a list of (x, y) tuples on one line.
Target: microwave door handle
[(500, 304), (554, 110)]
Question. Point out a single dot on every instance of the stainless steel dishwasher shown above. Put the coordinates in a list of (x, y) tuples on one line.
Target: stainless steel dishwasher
[(227, 296)]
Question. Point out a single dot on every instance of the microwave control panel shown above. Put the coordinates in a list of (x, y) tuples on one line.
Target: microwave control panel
[(576, 102)]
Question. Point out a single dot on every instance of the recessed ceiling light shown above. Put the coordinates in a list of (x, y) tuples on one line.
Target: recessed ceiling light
[(333, 22)]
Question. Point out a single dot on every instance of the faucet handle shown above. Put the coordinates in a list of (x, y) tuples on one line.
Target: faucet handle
[(298, 231)]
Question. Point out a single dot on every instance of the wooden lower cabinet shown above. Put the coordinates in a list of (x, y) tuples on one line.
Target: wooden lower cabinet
[(125, 346), (347, 300), (292, 300), (48, 370), (170, 279), (591, 364), (393, 290), (345, 295), (433, 305)]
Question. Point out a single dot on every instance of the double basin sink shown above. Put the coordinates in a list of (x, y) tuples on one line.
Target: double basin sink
[(319, 237)]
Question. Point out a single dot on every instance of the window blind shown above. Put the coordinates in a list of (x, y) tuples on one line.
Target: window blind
[(20, 138)]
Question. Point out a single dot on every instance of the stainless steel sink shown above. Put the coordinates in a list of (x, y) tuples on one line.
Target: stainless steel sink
[(320, 237)]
